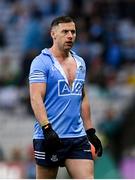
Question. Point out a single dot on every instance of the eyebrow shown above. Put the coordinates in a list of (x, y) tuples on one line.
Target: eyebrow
[(73, 30)]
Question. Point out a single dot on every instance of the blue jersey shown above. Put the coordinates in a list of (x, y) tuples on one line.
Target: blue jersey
[(62, 102)]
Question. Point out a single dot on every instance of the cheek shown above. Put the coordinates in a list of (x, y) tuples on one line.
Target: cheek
[(61, 40), (74, 37)]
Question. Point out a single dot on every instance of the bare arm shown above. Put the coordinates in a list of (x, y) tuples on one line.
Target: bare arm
[(85, 111), (90, 131), (37, 94)]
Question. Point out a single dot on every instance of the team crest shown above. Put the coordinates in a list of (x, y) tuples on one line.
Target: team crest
[(54, 158), (81, 68)]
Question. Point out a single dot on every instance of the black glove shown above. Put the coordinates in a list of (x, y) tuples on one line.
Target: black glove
[(52, 140), (95, 141)]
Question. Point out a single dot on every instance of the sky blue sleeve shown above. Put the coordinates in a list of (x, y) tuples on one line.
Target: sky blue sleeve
[(38, 71)]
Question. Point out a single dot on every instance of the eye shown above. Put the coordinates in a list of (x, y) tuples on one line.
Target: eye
[(68, 31), (73, 32), (65, 31)]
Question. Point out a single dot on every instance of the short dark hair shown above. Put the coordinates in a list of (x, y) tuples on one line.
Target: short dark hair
[(61, 19)]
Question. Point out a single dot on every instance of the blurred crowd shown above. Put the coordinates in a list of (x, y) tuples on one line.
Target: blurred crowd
[(106, 41)]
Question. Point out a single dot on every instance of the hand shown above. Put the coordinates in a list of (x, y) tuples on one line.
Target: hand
[(52, 140), (95, 141)]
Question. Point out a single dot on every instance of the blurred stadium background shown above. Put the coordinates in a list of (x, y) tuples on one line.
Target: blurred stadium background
[(106, 40)]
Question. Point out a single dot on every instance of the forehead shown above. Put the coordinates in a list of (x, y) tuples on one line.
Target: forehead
[(67, 26)]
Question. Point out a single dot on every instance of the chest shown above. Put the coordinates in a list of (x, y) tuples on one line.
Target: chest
[(70, 67)]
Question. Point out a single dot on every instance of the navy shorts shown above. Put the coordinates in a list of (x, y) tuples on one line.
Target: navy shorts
[(73, 148)]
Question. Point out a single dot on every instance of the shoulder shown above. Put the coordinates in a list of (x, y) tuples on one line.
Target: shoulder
[(78, 58), (42, 60)]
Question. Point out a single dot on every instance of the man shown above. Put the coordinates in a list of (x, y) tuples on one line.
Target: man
[(61, 108)]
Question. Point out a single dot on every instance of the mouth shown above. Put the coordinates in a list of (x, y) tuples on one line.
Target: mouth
[(69, 43)]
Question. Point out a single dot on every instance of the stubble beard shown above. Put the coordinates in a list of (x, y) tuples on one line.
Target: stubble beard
[(67, 47)]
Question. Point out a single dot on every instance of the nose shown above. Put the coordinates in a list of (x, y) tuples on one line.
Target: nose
[(70, 35)]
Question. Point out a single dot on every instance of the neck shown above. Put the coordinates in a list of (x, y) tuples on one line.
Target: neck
[(59, 53)]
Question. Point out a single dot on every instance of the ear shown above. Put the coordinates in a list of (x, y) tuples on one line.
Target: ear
[(53, 34)]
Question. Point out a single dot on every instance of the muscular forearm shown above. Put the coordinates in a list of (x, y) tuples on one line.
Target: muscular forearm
[(39, 110), (85, 111), (86, 114)]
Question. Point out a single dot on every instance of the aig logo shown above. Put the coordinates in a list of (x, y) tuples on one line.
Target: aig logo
[(64, 89)]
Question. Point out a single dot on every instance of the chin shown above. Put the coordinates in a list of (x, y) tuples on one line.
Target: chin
[(67, 48)]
